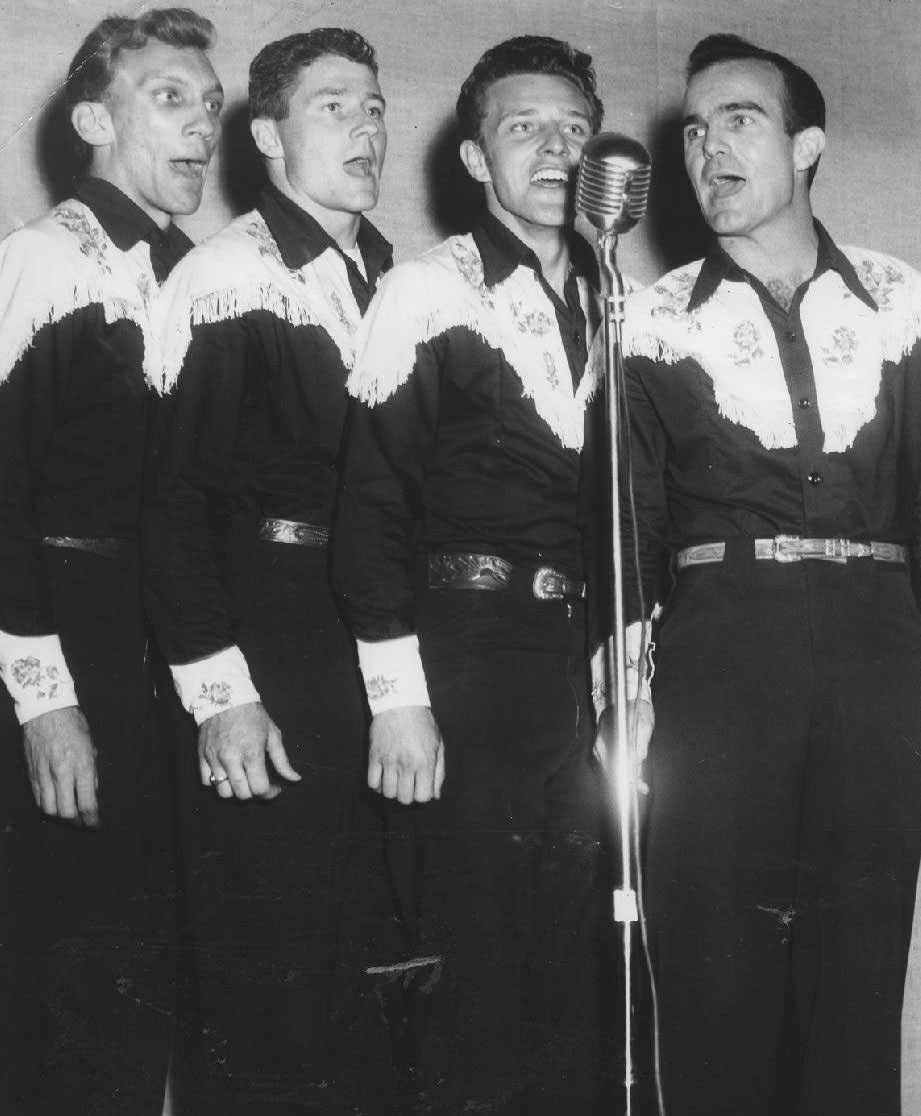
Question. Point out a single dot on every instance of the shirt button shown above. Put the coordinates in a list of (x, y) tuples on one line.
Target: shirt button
[(804, 403), (814, 478), (791, 335)]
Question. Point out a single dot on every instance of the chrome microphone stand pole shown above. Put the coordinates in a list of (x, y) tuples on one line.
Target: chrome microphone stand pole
[(621, 767)]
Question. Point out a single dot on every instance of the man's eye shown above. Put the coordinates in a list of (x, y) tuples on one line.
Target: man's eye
[(692, 135), (214, 105), (332, 106), (376, 111), (521, 126), (742, 120), (575, 129), (167, 96)]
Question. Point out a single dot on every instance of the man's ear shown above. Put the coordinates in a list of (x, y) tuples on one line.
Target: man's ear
[(265, 135), (474, 159), (808, 145), (93, 123)]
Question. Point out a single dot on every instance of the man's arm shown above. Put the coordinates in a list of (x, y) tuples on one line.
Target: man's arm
[(392, 434), (193, 444), (59, 750)]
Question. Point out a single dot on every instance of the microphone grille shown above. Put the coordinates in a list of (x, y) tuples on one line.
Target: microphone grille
[(612, 188)]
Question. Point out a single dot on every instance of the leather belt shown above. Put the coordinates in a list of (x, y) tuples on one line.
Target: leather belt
[(293, 532), (111, 548), (792, 548), (447, 570)]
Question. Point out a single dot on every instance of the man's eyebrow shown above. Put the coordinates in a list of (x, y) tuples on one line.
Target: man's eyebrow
[(341, 91), (724, 109), (531, 110)]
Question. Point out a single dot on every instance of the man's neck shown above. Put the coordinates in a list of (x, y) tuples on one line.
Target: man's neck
[(341, 226), (782, 260), (549, 243)]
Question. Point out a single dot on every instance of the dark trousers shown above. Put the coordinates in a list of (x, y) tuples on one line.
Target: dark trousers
[(499, 877), (783, 839), (287, 898), (86, 969)]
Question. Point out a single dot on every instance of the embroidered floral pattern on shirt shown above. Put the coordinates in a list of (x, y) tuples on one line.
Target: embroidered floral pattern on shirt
[(29, 674), (92, 240), (881, 277), (215, 693), (470, 267), (381, 686), (843, 346), (747, 344), (535, 322)]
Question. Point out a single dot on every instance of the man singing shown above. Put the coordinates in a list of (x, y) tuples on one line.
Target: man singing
[(258, 331), (85, 1012), (775, 399), (458, 556)]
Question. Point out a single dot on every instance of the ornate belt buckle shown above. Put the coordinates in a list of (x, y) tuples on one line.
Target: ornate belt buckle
[(837, 550), (784, 548), (548, 585)]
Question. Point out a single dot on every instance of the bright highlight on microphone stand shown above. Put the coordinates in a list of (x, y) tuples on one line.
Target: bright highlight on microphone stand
[(612, 192)]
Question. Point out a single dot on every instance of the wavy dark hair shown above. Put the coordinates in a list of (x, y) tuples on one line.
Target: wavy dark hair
[(526, 54), (275, 69)]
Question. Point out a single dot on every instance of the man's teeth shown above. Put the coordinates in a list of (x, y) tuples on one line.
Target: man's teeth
[(550, 175)]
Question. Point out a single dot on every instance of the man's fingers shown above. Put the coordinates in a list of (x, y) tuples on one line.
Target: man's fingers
[(87, 802), (279, 758), (375, 774), (236, 782), (389, 781), (439, 771), (47, 799), (257, 777)]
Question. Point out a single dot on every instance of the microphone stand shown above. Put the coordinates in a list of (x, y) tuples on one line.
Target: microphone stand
[(622, 774)]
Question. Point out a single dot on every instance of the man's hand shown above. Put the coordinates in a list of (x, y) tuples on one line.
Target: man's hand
[(232, 747), (641, 721), (407, 756), (61, 758)]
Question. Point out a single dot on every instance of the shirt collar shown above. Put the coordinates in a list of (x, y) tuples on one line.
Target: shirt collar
[(719, 266), (125, 223), (301, 239), (502, 252)]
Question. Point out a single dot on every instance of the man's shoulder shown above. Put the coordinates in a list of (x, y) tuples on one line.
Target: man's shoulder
[(68, 236), (227, 255), (887, 279), (452, 264)]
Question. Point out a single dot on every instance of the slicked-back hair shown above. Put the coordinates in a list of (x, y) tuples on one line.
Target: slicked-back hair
[(803, 104), (526, 54), (274, 71), (93, 67)]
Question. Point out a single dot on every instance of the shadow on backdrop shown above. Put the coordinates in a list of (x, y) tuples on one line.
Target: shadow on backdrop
[(453, 200), (56, 151), (677, 232), (241, 171)]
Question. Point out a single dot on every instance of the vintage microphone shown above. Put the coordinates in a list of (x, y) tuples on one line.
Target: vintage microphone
[(611, 192)]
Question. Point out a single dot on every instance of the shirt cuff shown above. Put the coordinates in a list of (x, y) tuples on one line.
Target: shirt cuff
[(393, 674), (209, 686), (637, 683), (35, 672)]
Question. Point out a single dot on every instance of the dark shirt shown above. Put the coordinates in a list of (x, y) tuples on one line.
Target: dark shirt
[(750, 420), (453, 453), (74, 405), (253, 426)]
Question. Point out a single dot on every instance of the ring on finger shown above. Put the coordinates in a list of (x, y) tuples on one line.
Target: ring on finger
[(216, 780)]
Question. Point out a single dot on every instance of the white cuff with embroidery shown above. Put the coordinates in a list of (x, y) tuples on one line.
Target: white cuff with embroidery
[(209, 686), (637, 684), (35, 672), (393, 674)]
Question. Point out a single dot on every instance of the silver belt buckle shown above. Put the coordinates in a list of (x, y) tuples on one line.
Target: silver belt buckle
[(783, 547), (838, 550), (549, 585)]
